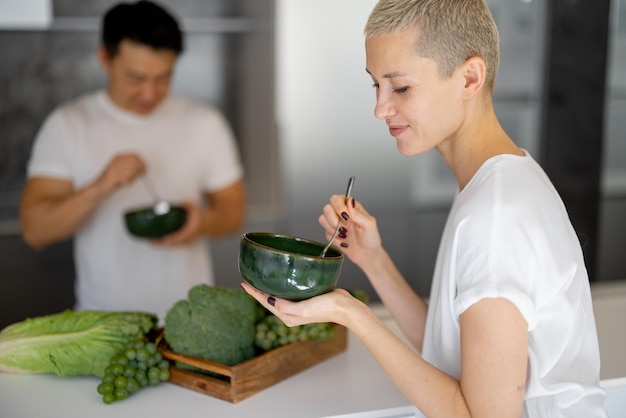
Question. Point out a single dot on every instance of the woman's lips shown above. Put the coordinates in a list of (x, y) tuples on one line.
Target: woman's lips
[(395, 131)]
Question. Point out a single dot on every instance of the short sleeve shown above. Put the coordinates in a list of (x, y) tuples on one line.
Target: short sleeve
[(51, 155), (224, 167), (501, 245)]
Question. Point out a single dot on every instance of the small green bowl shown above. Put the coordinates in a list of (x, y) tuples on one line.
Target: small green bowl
[(288, 267), (145, 223)]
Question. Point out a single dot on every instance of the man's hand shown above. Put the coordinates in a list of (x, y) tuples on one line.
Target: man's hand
[(189, 232), (121, 170)]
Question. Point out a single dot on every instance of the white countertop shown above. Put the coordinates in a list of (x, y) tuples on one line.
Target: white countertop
[(347, 383)]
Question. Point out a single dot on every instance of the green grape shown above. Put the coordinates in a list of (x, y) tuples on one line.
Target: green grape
[(153, 372), (120, 382), (129, 371), (120, 394), (143, 354), (108, 378), (137, 366), (132, 385), (164, 375), (108, 398), (151, 348), (131, 353), (105, 387), (117, 369), (271, 333)]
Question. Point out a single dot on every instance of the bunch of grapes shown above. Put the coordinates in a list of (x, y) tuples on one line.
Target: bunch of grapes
[(271, 333), (137, 366)]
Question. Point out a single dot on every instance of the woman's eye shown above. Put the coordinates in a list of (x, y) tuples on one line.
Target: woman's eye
[(375, 85), (401, 90)]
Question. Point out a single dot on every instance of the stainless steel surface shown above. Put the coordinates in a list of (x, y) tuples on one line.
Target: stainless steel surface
[(348, 194), (160, 206)]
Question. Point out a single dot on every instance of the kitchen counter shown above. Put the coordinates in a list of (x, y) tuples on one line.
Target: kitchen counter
[(347, 383)]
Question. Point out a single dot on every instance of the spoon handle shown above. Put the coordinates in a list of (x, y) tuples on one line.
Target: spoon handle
[(348, 194)]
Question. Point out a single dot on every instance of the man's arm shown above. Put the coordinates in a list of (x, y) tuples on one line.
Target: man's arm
[(225, 215), (227, 211), (51, 210)]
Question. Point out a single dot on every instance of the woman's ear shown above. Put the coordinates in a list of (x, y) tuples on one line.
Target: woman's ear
[(474, 73)]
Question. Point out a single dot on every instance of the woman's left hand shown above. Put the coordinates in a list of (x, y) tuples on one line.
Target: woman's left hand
[(329, 307)]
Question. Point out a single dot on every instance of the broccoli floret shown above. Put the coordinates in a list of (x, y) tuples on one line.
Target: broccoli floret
[(214, 323)]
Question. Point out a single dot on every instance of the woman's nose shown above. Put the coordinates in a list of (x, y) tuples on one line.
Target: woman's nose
[(384, 107)]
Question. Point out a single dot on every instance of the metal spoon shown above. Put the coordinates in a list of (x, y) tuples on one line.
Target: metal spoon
[(348, 193), (161, 206)]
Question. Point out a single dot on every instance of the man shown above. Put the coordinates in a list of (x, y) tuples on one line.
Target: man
[(90, 157), (508, 329)]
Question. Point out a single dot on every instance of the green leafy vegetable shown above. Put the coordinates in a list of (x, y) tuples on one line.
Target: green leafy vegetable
[(70, 343), (214, 323)]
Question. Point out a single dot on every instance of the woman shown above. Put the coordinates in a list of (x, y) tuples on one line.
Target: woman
[(509, 328)]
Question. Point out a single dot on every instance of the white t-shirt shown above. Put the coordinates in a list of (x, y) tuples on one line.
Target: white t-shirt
[(508, 235), (189, 150)]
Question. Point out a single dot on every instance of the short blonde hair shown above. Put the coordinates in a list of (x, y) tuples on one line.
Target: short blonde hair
[(447, 31)]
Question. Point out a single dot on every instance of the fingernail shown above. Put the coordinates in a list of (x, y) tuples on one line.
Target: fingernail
[(353, 202), (343, 230), (345, 215), (271, 300), (344, 245), (342, 235)]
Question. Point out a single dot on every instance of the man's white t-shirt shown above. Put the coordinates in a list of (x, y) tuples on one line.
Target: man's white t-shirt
[(508, 235), (189, 150)]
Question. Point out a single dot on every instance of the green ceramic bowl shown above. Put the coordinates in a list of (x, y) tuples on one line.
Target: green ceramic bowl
[(288, 267), (145, 223)]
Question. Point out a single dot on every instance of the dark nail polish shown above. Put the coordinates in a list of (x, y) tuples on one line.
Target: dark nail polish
[(343, 230), (342, 235), (345, 215), (344, 245), (353, 202), (271, 300)]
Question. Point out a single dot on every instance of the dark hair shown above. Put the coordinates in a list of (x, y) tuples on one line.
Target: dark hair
[(143, 22)]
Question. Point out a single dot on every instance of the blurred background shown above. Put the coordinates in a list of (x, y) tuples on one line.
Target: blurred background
[(290, 77)]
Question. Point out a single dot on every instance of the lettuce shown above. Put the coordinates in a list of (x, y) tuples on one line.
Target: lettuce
[(70, 343)]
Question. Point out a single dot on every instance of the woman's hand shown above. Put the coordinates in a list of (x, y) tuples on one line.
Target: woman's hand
[(329, 307), (359, 238)]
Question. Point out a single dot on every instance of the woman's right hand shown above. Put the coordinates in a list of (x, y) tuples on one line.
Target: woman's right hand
[(359, 240)]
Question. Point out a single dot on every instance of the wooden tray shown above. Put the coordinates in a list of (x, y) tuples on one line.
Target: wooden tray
[(243, 380)]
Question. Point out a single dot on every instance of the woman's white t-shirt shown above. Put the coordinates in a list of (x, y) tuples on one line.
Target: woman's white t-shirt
[(508, 235), (189, 150)]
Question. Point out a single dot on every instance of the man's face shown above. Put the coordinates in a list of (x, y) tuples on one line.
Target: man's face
[(139, 76), (420, 108)]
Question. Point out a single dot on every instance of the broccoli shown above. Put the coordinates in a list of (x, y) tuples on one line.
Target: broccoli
[(214, 323)]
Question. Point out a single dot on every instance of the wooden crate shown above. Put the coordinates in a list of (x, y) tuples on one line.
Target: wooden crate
[(243, 380)]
